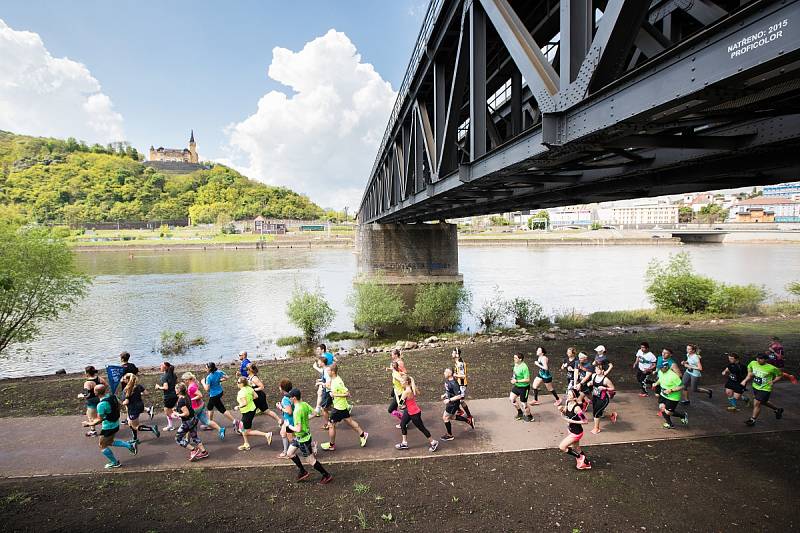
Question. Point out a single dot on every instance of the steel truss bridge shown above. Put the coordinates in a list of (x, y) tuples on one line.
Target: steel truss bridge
[(521, 104)]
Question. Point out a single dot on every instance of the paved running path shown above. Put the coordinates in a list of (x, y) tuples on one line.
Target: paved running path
[(57, 445)]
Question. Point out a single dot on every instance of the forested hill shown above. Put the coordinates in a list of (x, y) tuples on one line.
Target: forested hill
[(65, 181)]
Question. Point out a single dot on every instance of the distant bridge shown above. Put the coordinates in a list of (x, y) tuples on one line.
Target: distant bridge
[(511, 104)]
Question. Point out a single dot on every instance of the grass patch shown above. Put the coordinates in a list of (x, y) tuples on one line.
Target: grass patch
[(336, 336), (289, 341)]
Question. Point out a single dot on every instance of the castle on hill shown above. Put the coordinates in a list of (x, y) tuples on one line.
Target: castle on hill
[(176, 155)]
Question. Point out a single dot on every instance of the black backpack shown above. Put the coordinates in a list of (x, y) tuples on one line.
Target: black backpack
[(113, 416)]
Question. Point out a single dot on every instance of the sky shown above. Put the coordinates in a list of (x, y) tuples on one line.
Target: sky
[(295, 94)]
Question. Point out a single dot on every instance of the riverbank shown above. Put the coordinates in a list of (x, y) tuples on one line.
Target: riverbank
[(489, 360)]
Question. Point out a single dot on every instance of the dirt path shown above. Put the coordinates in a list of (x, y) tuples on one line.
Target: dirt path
[(56, 445)]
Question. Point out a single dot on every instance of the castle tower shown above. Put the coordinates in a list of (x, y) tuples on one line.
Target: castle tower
[(152, 153), (192, 149)]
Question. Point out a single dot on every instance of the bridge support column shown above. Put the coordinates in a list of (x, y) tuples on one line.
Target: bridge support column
[(407, 255)]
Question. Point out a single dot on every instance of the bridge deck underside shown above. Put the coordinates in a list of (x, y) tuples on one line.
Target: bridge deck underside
[(660, 99)]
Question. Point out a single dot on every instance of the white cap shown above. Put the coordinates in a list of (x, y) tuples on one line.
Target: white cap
[(600, 348)]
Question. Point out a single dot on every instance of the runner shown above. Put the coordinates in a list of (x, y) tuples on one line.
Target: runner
[(324, 360), (213, 386), (89, 397), (602, 392), (544, 376), (322, 383), (764, 376), (645, 366), (108, 418), (571, 444), (261, 393), (243, 362), (186, 435), (583, 376), (398, 369), (670, 386), (452, 401), (412, 413), (691, 377), (460, 373), (666, 355), (246, 404), (132, 394), (775, 357), (302, 442), (520, 385), (285, 408), (199, 408), (601, 353), (127, 366), (569, 366), (166, 385), (341, 411), (736, 372)]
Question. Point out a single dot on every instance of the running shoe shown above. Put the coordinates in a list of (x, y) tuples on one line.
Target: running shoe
[(397, 414), (326, 479), (793, 379), (363, 439), (528, 418), (614, 417), (595, 431), (535, 402), (150, 412), (401, 446), (193, 454), (202, 454), (685, 419), (317, 412), (471, 422), (779, 413), (156, 431), (397, 426), (710, 393), (91, 433), (750, 422), (446, 437), (434, 446), (113, 465), (731, 408), (302, 476), (643, 395), (667, 426), (460, 412), (558, 402), (582, 463), (222, 433), (134, 441), (134, 449), (519, 417), (685, 402), (328, 447), (269, 438), (244, 448), (168, 428)]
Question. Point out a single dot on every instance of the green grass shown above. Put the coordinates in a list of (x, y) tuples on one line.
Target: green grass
[(336, 336), (289, 341)]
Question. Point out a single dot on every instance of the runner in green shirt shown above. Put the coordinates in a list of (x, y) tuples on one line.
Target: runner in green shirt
[(245, 399), (763, 375), (341, 411), (670, 384), (302, 442), (520, 385)]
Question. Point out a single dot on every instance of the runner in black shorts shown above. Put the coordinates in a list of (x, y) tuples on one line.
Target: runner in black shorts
[(602, 392), (571, 444), (736, 372), (302, 442), (166, 385), (261, 393), (520, 385), (583, 376), (89, 397), (452, 402)]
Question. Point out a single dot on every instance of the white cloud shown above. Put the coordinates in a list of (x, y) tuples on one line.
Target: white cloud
[(320, 140), (45, 95)]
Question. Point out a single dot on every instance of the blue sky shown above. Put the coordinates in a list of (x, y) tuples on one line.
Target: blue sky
[(170, 66)]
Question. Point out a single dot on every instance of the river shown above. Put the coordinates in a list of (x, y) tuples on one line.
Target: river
[(235, 299)]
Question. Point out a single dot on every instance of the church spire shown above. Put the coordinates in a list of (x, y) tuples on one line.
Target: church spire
[(191, 138)]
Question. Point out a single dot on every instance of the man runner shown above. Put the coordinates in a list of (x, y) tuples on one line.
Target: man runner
[(341, 411), (302, 442), (645, 366), (670, 384), (763, 375), (108, 417), (452, 401), (520, 385), (736, 372)]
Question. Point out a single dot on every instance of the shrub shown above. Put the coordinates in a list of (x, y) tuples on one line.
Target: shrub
[(309, 311), (493, 311), (177, 342), (526, 312), (496, 220), (636, 317), (376, 306), (571, 319), (736, 299), (596, 226), (337, 336), (794, 288), (675, 287), (288, 341), (60, 232), (438, 306)]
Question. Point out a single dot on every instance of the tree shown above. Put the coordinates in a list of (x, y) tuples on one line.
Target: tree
[(540, 220), (685, 214), (712, 213), (38, 281), (310, 312), (376, 306), (675, 287)]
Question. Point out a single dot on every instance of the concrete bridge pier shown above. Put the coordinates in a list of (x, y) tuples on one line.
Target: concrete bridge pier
[(407, 255)]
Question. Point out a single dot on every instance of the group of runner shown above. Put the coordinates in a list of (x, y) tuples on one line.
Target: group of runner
[(587, 384)]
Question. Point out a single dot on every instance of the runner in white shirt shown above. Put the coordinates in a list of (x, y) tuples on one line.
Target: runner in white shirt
[(645, 366)]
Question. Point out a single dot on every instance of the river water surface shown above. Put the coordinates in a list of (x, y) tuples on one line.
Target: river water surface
[(236, 298)]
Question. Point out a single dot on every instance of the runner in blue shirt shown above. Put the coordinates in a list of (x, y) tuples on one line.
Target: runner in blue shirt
[(243, 365), (213, 385)]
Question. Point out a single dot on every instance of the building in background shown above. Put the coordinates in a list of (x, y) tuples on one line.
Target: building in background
[(176, 155), (699, 201), (783, 190), (574, 215), (645, 214), (765, 209)]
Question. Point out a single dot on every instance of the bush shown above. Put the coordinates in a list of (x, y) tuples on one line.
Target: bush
[(675, 287), (309, 311), (794, 288), (288, 341), (736, 299), (493, 311), (636, 317), (376, 306), (177, 342), (596, 226), (526, 312), (571, 319), (438, 306), (60, 232), (496, 220)]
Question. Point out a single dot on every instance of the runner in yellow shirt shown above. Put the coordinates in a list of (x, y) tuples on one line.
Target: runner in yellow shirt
[(245, 399), (341, 411)]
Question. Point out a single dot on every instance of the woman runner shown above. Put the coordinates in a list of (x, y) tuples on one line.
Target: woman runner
[(602, 392), (133, 393), (198, 406), (568, 366), (261, 395), (571, 444), (691, 377), (186, 436), (735, 372), (166, 385), (213, 386), (460, 373), (398, 369), (88, 395), (108, 417), (412, 413), (544, 376), (245, 398)]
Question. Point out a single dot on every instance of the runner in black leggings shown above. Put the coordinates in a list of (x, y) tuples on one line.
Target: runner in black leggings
[(412, 413)]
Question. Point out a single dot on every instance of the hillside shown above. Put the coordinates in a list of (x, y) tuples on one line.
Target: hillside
[(64, 181)]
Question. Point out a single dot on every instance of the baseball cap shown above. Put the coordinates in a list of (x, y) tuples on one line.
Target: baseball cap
[(294, 393), (600, 348)]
